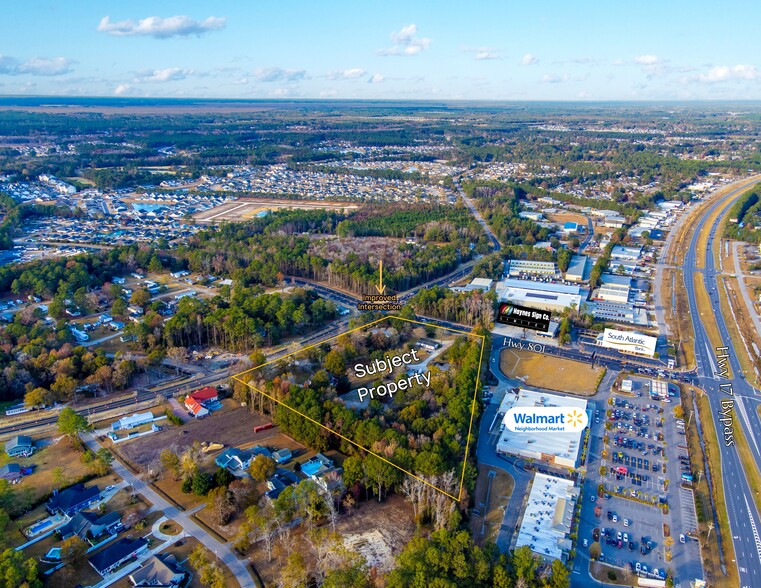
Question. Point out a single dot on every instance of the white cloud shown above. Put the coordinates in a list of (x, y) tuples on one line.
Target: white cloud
[(122, 89), (725, 73), (646, 59), (328, 93), (377, 78), (161, 28), (36, 66), (529, 59), (406, 42), (170, 74), (346, 74), (277, 74), (39, 66), (482, 53), (550, 79)]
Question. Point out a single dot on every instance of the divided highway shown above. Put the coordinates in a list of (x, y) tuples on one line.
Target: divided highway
[(744, 519)]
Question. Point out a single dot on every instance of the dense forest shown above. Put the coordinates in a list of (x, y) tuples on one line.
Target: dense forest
[(745, 217), (248, 320)]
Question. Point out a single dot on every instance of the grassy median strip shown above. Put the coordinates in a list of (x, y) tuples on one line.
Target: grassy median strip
[(703, 303), (681, 320), (714, 575)]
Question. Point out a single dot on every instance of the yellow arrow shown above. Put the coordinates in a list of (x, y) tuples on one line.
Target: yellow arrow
[(381, 289)]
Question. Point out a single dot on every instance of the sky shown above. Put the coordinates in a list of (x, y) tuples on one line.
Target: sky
[(293, 49)]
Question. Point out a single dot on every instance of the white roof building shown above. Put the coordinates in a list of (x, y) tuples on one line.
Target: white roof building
[(612, 293), (477, 284), (517, 267), (557, 449), (546, 523), (540, 295), (626, 253)]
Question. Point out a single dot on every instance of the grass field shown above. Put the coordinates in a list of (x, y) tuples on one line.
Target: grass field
[(551, 373), (681, 318)]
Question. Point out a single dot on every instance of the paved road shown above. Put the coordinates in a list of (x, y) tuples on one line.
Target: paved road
[(743, 515), (486, 453), (223, 550), (496, 245)]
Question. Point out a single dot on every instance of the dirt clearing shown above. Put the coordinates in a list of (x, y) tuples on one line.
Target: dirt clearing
[(231, 426), (246, 208)]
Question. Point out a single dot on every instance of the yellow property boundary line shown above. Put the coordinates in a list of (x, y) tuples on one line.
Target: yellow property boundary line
[(458, 498)]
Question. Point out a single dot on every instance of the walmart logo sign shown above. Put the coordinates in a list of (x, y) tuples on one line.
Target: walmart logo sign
[(546, 419)]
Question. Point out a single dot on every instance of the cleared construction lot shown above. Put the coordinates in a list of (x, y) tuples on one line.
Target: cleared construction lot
[(247, 208)]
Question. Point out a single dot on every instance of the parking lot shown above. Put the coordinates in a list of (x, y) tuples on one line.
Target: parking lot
[(637, 459)]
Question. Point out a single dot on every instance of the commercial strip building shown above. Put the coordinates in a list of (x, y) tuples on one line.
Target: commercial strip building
[(540, 295), (546, 524), (628, 342), (612, 292), (557, 449), (617, 312), (517, 267)]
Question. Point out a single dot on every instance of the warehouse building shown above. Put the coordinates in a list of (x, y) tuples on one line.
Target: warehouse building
[(557, 449), (626, 253), (546, 523), (517, 267), (612, 293), (540, 295), (483, 284), (577, 269)]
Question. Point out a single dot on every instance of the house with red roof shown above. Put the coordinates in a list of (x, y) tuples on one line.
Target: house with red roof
[(201, 401)]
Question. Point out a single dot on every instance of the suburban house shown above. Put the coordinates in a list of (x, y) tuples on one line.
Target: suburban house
[(282, 455), (279, 482), (106, 561), (195, 408), (10, 472), (21, 445), (159, 571), (201, 401), (233, 459), (73, 499), (321, 471), (132, 421), (428, 344), (316, 465), (86, 525)]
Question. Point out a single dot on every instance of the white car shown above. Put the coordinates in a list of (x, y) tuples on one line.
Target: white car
[(109, 488), (585, 543), (626, 522), (682, 538)]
